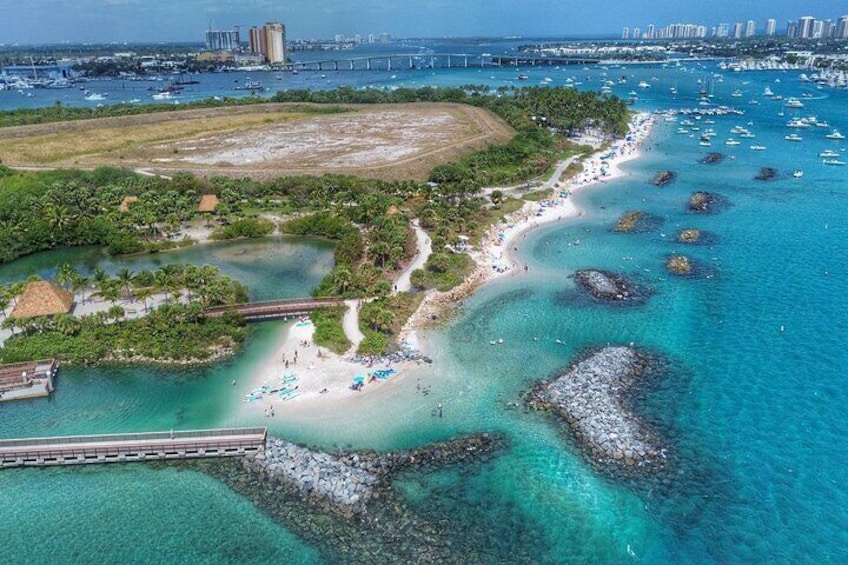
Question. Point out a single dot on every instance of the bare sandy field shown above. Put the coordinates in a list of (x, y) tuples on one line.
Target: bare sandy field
[(396, 141)]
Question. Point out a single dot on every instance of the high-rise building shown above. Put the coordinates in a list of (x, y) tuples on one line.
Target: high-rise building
[(650, 31), (625, 33), (750, 28), (737, 30), (818, 29), (269, 41), (842, 28), (791, 29), (722, 30), (370, 38), (805, 27), (636, 31), (222, 40), (771, 27)]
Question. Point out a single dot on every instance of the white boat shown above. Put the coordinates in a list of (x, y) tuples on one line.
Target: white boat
[(163, 96), (823, 124), (758, 147), (829, 154), (767, 92), (835, 135), (794, 103), (793, 137), (833, 162), (798, 173), (737, 93), (704, 143), (747, 135), (643, 84), (797, 123), (95, 96), (731, 142)]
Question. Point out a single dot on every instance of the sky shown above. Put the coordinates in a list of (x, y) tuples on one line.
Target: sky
[(132, 21)]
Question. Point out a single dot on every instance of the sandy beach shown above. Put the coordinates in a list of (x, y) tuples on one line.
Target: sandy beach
[(494, 257)]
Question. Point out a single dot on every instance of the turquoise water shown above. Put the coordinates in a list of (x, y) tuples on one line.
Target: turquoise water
[(756, 415)]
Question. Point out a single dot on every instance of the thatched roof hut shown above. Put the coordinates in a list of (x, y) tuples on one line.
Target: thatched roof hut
[(40, 298), (125, 203), (208, 203)]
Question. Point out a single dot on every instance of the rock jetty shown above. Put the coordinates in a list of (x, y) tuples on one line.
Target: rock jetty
[(767, 174), (711, 159), (703, 202), (663, 178), (591, 397), (347, 482), (605, 285)]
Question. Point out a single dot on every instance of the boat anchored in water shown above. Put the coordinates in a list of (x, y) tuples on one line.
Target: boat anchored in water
[(835, 135), (793, 137)]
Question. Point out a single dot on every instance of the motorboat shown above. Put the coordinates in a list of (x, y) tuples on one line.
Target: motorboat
[(793, 102), (833, 162), (793, 137), (737, 93), (643, 84), (835, 135), (829, 154), (797, 123), (731, 142), (758, 148), (798, 173)]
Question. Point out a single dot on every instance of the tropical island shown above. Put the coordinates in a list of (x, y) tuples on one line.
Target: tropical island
[(406, 251)]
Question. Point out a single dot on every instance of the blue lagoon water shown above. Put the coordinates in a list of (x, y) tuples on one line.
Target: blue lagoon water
[(753, 403)]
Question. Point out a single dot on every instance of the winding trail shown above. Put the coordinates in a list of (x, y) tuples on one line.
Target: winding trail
[(403, 283), (350, 323)]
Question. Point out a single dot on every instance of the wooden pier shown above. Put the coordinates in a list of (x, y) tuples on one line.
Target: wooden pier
[(274, 309), (125, 448)]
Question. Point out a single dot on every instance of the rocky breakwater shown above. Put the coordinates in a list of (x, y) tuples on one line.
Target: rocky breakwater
[(592, 398), (663, 178), (606, 286), (767, 174), (346, 483)]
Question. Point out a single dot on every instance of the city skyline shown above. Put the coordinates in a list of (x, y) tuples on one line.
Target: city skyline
[(51, 21)]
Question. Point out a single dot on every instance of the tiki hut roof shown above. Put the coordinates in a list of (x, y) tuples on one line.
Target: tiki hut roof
[(208, 203), (125, 203), (40, 298)]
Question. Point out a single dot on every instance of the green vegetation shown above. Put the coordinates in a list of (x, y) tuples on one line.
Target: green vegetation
[(175, 332), (329, 331), (443, 271), (244, 227)]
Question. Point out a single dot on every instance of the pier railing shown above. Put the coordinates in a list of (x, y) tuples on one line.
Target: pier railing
[(149, 446)]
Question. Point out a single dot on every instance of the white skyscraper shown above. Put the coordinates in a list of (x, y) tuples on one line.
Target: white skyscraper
[(636, 31), (842, 28), (750, 28), (722, 30), (771, 27), (650, 31), (818, 29), (805, 27), (625, 33)]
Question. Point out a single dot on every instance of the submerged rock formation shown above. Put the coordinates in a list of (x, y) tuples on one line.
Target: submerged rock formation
[(689, 236), (605, 285), (766, 174), (703, 202), (663, 178), (591, 397), (629, 221), (711, 159), (679, 265)]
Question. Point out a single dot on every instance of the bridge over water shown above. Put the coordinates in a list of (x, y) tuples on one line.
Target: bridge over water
[(254, 311), (431, 61), (123, 448)]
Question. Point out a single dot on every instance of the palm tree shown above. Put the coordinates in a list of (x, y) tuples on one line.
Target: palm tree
[(64, 275), (100, 278), (125, 278), (80, 284), (4, 302), (15, 290), (143, 294), (116, 312), (111, 290), (342, 278)]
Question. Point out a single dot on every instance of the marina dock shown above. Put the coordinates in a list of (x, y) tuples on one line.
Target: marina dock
[(125, 448), (31, 379)]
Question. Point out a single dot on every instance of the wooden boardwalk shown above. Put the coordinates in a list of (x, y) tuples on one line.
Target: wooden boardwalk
[(253, 311), (123, 448)]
